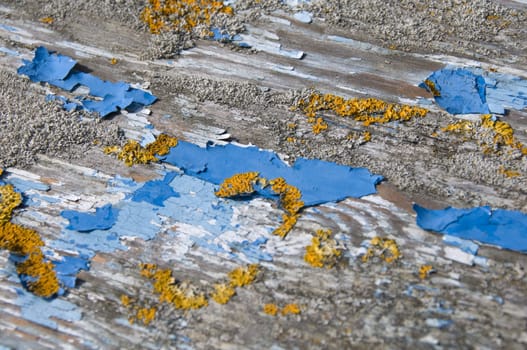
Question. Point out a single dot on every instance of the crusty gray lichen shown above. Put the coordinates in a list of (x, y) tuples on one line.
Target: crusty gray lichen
[(30, 126)]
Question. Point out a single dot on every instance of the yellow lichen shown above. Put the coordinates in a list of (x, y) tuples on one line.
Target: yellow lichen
[(509, 172), (42, 279), (114, 60), (432, 87), (424, 271), (10, 200), (185, 15), (133, 153), (322, 251), (270, 309), (290, 309), (239, 184), (47, 20), (125, 300), (290, 196), (243, 276), (367, 110), (146, 315), (180, 295), (501, 132), (223, 293), (385, 248)]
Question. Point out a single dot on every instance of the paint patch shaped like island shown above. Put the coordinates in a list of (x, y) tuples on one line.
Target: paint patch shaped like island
[(105, 97), (503, 228), (319, 181)]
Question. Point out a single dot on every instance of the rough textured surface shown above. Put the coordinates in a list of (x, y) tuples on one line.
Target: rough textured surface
[(216, 92), (30, 126)]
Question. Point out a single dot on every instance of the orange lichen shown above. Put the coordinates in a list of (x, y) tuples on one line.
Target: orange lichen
[(47, 20), (133, 153), (114, 60), (146, 315), (425, 271), (290, 309), (180, 295), (270, 309), (385, 248), (223, 293), (290, 196), (290, 200), (367, 110), (322, 251), (10, 200), (239, 184), (42, 280), (432, 88), (501, 132), (243, 276), (125, 300), (166, 15), (509, 172)]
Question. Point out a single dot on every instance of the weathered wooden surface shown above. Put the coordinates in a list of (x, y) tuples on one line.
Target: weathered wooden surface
[(355, 304)]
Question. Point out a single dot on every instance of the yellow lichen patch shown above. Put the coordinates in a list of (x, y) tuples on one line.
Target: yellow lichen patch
[(509, 172), (290, 309), (243, 276), (47, 20), (323, 251), (501, 132), (270, 309), (319, 126), (424, 271), (164, 15), (222, 293), (133, 153), (239, 184), (361, 138), (146, 315), (181, 295), (290, 196), (290, 200), (9, 201), (432, 87), (114, 60), (385, 248), (125, 300), (367, 110), (461, 126), (42, 280)]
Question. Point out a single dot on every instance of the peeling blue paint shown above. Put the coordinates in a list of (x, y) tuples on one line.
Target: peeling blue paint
[(319, 181), (459, 91), (473, 90), (156, 191), (103, 219), (503, 228), (68, 268), (252, 250), (463, 244), (58, 70)]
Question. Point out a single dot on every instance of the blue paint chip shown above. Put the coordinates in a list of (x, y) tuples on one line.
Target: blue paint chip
[(503, 228), (463, 244), (103, 219), (460, 91), (68, 268), (157, 191), (47, 67), (319, 181), (105, 97)]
